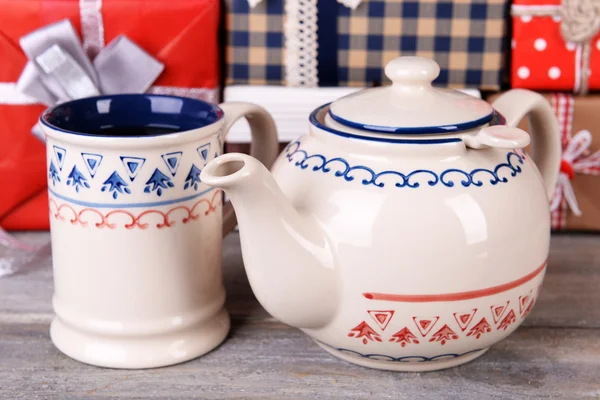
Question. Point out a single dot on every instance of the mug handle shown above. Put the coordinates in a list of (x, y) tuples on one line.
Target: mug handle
[(264, 146), (546, 146)]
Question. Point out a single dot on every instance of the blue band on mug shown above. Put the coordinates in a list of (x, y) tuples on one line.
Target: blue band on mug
[(131, 115)]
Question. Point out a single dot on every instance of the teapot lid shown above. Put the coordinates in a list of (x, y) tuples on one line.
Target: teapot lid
[(411, 105)]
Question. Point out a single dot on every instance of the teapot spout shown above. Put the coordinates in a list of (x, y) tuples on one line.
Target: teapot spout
[(287, 256)]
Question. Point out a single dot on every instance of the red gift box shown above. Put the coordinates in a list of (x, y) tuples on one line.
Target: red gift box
[(555, 45), (181, 34)]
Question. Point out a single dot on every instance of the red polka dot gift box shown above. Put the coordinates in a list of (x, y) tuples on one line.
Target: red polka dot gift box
[(556, 45)]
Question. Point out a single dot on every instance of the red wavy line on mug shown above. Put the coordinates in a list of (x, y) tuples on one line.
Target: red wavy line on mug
[(135, 220), (428, 298)]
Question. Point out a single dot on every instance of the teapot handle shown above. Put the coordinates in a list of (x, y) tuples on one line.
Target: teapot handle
[(264, 146), (543, 126)]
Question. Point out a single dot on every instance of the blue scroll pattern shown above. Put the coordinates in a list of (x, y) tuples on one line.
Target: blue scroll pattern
[(342, 169)]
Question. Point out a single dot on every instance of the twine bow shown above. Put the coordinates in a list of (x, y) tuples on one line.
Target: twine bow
[(60, 70), (580, 23), (580, 20)]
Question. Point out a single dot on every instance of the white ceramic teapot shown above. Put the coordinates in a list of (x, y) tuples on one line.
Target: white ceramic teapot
[(408, 230)]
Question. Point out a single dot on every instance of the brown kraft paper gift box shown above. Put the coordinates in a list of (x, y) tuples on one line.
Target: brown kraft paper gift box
[(579, 125)]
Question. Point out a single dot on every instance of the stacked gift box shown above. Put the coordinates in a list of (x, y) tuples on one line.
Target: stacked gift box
[(555, 49), (291, 56)]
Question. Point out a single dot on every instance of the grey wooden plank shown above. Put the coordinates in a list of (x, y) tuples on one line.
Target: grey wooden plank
[(267, 360), (570, 296)]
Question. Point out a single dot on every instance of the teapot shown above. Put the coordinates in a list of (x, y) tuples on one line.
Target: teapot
[(409, 230)]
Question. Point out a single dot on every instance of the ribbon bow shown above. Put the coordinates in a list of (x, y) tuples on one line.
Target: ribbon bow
[(60, 70), (574, 161)]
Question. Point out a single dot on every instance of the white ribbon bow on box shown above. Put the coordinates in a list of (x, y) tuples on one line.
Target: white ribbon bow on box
[(574, 161), (60, 70)]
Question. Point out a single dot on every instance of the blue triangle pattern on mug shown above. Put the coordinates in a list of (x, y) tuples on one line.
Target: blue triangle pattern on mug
[(133, 165), (92, 162), (203, 151), (172, 161), (60, 155)]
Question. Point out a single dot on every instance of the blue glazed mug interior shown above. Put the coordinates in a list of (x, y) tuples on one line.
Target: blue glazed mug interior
[(131, 115)]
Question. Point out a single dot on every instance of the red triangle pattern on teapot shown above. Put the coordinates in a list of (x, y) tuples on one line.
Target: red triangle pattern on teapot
[(425, 324), (382, 317), (510, 319), (464, 319), (442, 329), (445, 334), (524, 301), (364, 331), (480, 329), (404, 336), (498, 311)]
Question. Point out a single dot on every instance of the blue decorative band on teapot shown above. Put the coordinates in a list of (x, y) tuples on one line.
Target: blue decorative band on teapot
[(300, 158)]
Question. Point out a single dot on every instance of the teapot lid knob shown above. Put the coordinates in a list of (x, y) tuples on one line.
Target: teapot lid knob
[(411, 105), (407, 72)]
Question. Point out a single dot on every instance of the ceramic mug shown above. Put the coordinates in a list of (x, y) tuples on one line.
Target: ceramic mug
[(136, 235)]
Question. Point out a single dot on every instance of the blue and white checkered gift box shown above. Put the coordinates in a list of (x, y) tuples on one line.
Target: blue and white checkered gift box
[(466, 37)]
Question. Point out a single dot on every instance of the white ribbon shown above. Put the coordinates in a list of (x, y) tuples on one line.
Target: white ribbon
[(301, 48), (348, 3), (574, 156), (564, 189), (92, 26)]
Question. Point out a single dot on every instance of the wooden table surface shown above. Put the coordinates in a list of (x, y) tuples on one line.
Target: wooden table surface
[(556, 354)]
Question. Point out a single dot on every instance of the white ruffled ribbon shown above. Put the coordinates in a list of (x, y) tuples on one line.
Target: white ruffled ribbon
[(575, 161), (348, 3)]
